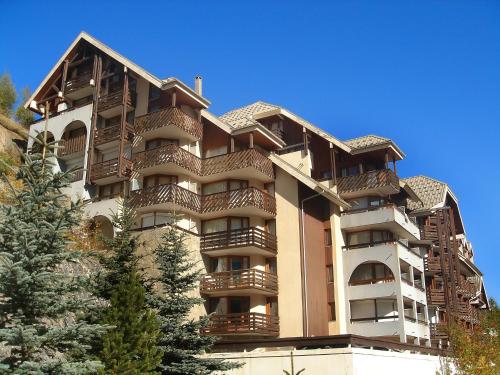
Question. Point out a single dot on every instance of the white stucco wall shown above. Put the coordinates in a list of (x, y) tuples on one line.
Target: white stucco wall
[(345, 361)]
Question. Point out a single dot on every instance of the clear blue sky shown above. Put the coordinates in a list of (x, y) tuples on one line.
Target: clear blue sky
[(424, 73)]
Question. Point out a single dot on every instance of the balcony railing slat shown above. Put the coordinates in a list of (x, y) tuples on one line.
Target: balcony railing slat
[(238, 238), (249, 158), (171, 116), (171, 193), (239, 279), (71, 145), (243, 323), (368, 180)]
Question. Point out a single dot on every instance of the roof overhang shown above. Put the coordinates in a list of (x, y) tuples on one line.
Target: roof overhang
[(122, 60), (181, 86), (306, 124), (216, 121), (311, 183), (262, 132), (399, 155), (411, 193)]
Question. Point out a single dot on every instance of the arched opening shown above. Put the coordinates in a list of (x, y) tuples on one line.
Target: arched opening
[(102, 226), (371, 273), (71, 149)]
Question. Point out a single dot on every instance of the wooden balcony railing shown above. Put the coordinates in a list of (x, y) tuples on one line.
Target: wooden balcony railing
[(240, 279), (171, 193), (110, 168), (112, 133), (439, 331), (168, 193), (239, 238), (171, 116), (77, 83), (243, 323), (238, 160), (433, 264), (369, 180), (246, 197), (204, 167), (168, 154), (77, 175), (380, 280), (71, 145), (114, 99), (435, 296)]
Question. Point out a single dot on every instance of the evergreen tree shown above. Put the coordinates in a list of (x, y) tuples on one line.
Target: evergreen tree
[(180, 338), (8, 95), (40, 301), (24, 116), (120, 257), (131, 348)]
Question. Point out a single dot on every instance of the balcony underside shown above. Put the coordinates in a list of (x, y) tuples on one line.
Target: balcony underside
[(240, 250)]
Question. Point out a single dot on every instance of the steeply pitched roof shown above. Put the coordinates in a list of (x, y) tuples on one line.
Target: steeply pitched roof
[(122, 60), (431, 192), (248, 115)]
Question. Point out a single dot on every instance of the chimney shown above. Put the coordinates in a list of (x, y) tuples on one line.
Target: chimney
[(198, 85)]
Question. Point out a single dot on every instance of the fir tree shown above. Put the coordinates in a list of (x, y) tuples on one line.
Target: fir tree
[(131, 348), (180, 338), (40, 301)]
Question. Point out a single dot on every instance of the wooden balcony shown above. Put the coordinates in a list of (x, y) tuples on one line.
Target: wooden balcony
[(383, 181), (112, 134), (435, 296), (248, 241), (78, 83), (77, 175), (108, 170), (247, 201), (171, 122), (71, 146), (243, 164), (433, 264), (239, 164), (249, 323), (240, 282), (439, 331), (153, 160), (114, 99), (172, 195)]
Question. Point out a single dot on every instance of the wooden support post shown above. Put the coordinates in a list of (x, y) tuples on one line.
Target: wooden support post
[(174, 98), (64, 76), (251, 140), (306, 141), (386, 159), (394, 166), (232, 145), (96, 74), (333, 165), (123, 127), (360, 166)]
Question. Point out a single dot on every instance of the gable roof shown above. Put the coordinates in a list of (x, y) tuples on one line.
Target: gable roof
[(432, 192), (372, 142), (164, 84), (249, 115)]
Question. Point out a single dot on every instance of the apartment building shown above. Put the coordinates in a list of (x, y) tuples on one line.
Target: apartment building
[(301, 234)]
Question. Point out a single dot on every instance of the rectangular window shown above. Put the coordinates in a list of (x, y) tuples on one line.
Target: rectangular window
[(329, 273), (110, 190), (350, 171), (157, 180), (328, 237), (331, 312)]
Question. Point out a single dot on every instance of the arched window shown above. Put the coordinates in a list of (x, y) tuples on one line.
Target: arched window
[(371, 273)]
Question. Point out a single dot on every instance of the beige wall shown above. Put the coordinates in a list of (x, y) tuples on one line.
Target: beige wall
[(339, 326), (288, 259)]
